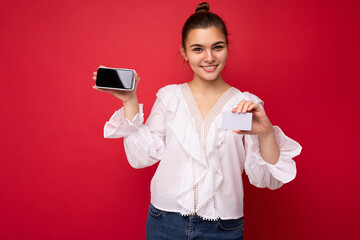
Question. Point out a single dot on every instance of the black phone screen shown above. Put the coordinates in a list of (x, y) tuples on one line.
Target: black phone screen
[(115, 78)]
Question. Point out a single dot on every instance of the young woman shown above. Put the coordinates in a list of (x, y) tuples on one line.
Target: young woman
[(197, 189)]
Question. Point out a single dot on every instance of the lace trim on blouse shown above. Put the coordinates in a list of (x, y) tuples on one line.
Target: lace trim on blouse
[(202, 126)]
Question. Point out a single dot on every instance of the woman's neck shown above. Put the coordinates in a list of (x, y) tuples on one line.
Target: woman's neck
[(208, 87)]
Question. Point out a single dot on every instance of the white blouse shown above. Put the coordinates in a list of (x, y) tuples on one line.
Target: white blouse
[(201, 163)]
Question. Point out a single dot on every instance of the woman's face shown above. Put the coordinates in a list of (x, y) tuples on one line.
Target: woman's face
[(206, 51)]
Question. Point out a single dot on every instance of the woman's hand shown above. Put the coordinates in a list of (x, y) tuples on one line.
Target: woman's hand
[(124, 96), (128, 98), (261, 124)]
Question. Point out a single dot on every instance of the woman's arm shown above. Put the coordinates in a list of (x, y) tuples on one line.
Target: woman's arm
[(262, 127), (144, 144), (131, 108), (269, 152), (269, 148)]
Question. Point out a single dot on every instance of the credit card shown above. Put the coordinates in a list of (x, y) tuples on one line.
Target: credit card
[(236, 121)]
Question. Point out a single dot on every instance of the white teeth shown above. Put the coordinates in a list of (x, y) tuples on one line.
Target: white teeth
[(209, 68)]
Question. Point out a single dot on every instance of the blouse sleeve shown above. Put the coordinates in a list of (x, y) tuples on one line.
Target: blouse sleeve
[(144, 143), (263, 174)]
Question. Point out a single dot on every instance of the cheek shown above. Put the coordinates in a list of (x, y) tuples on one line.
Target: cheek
[(195, 60), (222, 56)]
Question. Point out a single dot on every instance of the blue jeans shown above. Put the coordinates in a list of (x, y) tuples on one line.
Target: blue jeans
[(172, 226)]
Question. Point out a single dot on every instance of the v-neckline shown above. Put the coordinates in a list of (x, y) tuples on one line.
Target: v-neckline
[(202, 126), (214, 109)]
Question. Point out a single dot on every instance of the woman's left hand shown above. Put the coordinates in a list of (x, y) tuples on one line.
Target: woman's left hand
[(261, 124)]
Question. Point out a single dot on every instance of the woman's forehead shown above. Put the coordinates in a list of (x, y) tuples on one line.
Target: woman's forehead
[(205, 36)]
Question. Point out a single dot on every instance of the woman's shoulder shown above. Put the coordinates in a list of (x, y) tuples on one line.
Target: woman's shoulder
[(247, 96), (170, 95), (168, 90)]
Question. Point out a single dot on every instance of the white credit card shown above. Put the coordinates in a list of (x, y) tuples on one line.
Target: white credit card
[(236, 121)]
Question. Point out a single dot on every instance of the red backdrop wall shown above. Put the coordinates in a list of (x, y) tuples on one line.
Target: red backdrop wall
[(60, 179)]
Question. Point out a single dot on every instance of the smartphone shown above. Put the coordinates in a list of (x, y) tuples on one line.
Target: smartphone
[(115, 78), (236, 121)]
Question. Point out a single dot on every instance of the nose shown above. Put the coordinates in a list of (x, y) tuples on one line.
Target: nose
[(209, 56)]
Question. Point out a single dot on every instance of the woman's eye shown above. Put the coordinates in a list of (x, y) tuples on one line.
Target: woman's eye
[(197, 49), (218, 47)]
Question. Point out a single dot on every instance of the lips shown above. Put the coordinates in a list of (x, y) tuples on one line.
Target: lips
[(209, 68)]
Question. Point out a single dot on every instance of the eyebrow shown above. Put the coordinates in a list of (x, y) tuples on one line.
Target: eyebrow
[(199, 45)]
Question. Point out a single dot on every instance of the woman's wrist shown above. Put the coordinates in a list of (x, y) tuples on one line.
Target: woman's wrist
[(269, 148), (130, 102), (131, 108), (270, 132)]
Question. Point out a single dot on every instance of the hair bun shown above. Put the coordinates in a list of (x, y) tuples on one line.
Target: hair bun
[(202, 7)]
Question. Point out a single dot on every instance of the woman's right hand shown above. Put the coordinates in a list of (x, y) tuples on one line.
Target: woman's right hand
[(124, 96)]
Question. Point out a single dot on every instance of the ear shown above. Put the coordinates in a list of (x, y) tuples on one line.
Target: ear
[(183, 53)]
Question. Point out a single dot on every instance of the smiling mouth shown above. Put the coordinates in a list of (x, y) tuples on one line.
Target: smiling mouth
[(209, 68)]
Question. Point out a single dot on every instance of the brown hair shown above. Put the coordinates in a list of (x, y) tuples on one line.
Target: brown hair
[(202, 18)]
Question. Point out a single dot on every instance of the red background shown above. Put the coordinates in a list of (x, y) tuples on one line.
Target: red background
[(60, 179)]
